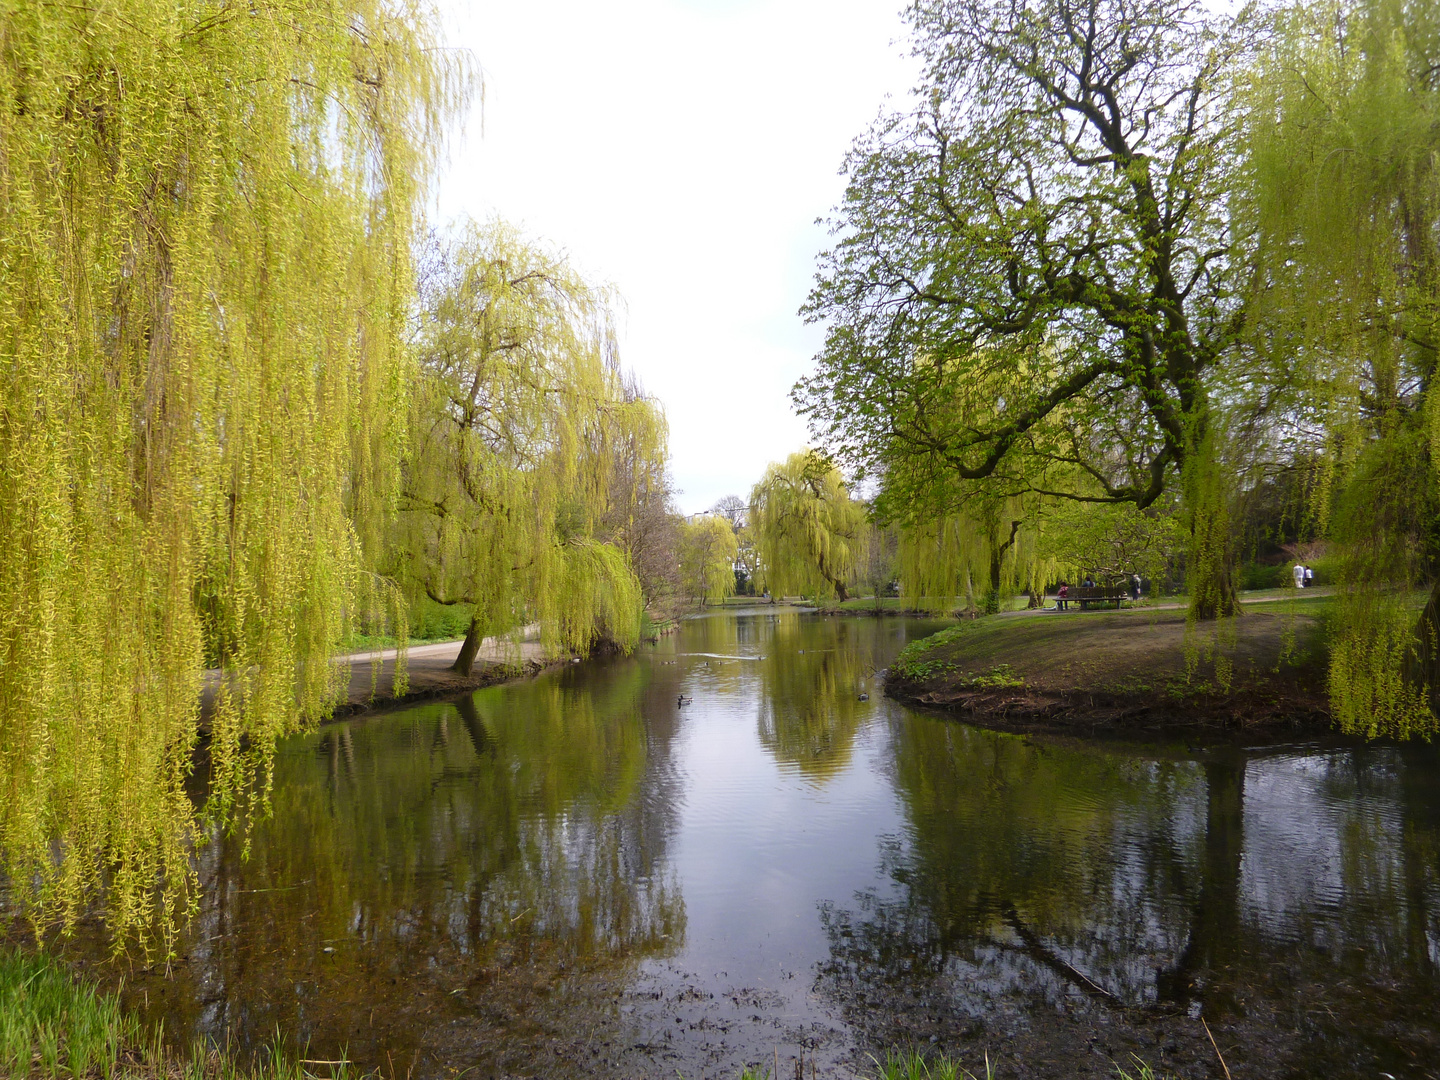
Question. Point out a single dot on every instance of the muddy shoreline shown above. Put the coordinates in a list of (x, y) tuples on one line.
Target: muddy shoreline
[(1250, 713), (430, 677), (1126, 675)]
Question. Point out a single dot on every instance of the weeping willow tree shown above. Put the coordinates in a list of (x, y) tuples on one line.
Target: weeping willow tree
[(521, 424), (1344, 190), (809, 533), (967, 557), (708, 550), (204, 274)]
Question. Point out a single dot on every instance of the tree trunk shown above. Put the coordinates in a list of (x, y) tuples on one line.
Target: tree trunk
[(480, 738), (466, 660), (997, 564), (1215, 928), (1217, 599)]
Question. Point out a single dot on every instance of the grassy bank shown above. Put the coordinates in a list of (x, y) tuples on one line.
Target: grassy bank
[(1099, 671), (56, 1027)]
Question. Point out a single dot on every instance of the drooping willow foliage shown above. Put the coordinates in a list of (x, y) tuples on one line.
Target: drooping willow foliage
[(204, 271), (709, 548), (974, 555), (809, 533), (1343, 139), (529, 450)]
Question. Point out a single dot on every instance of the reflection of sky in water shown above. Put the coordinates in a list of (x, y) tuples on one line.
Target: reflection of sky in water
[(757, 851), (1324, 861), (557, 846)]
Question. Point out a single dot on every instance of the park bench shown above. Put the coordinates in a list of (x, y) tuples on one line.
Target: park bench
[(1085, 595)]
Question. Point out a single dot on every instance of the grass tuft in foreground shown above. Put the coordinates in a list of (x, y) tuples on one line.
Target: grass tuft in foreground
[(53, 1026), (913, 1065)]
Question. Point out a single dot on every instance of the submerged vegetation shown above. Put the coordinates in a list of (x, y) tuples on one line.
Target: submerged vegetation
[(54, 1026)]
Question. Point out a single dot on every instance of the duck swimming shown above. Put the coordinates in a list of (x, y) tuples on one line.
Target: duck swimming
[(683, 700)]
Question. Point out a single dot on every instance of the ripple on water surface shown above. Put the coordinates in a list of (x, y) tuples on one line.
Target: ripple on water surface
[(579, 874)]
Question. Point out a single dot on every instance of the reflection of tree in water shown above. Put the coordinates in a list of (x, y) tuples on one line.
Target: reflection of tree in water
[(443, 854), (1049, 876), (1034, 868), (810, 708)]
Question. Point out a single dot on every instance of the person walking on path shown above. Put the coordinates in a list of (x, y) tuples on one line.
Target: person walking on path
[(1135, 587), (1298, 572)]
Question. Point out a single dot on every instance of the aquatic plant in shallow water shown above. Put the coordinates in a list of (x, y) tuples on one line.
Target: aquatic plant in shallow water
[(55, 1026), (913, 1065)]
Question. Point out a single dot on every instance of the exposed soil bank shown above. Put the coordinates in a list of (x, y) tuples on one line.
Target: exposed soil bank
[(1125, 673), (431, 674)]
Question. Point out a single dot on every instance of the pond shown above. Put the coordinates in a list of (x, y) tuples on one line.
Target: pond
[(581, 875)]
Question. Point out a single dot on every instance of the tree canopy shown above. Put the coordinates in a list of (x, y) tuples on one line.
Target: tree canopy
[(808, 532), (708, 548), (1036, 282), (1134, 252), (524, 432), (208, 215)]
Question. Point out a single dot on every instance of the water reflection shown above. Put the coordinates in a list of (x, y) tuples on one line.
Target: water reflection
[(1290, 891), (580, 876), (811, 681), (489, 845)]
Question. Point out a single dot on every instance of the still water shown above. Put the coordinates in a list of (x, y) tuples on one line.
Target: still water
[(581, 876)]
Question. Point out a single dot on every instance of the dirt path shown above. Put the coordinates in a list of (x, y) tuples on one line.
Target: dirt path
[(430, 671)]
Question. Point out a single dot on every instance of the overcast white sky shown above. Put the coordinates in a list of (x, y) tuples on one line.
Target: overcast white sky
[(681, 150)]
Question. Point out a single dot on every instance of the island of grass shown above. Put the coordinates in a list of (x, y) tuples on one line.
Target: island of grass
[(1139, 671)]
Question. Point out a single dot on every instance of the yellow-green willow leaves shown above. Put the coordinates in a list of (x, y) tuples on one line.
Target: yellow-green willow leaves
[(204, 271), (1343, 138), (809, 533), (529, 451), (708, 550)]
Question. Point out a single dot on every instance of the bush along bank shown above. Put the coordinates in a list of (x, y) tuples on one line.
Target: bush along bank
[(1127, 672)]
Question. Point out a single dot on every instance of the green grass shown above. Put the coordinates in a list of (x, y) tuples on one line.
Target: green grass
[(912, 664), (49, 1022), (56, 1027), (913, 1065), (867, 603)]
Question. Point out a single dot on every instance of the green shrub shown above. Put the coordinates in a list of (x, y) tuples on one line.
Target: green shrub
[(1257, 576), (430, 621)]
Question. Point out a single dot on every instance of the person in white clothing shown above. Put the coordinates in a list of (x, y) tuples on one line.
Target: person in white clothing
[(1299, 572)]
